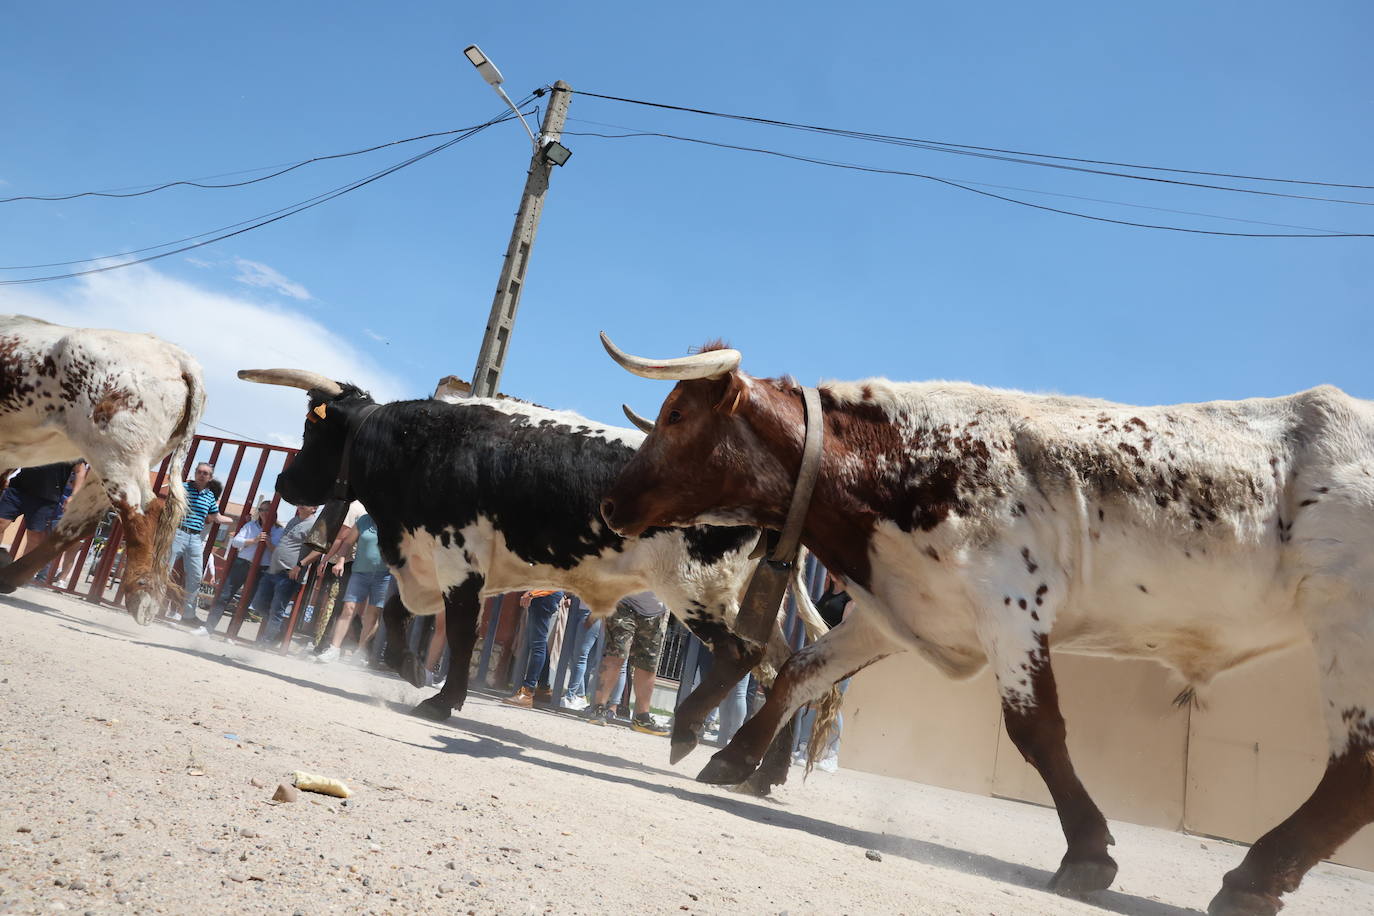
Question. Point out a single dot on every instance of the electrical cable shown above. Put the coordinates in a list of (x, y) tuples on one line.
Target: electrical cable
[(258, 222), (988, 152), (120, 254), (966, 187), (141, 190), (1004, 187)]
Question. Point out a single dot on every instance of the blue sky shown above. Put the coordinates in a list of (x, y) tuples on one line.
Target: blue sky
[(823, 273)]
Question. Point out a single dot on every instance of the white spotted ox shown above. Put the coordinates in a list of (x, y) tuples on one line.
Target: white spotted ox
[(122, 402), (980, 527)]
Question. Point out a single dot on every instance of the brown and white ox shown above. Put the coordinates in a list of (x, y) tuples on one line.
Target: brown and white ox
[(122, 402), (981, 527)]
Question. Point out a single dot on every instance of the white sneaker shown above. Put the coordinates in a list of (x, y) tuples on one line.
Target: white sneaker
[(575, 703), (829, 763), (175, 615), (328, 655), (200, 631)]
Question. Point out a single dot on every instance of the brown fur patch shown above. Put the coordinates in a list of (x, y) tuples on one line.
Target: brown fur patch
[(110, 402)]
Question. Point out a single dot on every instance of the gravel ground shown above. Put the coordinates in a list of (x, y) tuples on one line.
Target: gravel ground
[(137, 768)]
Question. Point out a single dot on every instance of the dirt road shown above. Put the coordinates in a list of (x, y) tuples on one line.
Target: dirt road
[(137, 767)]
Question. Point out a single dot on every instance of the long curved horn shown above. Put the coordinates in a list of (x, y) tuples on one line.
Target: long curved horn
[(711, 364), (646, 426), (292, 378)]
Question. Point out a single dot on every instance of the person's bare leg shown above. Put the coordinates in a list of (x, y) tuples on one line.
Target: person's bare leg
[(32, 539), (644, 690), (372, 619), (345, 621), (610, 674), (437, 642)]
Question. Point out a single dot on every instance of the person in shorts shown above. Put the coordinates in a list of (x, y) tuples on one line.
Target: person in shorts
[(367, 587), (634, 632), (36, 494)]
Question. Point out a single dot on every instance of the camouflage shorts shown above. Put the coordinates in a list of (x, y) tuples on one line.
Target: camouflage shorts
[(646, 633)]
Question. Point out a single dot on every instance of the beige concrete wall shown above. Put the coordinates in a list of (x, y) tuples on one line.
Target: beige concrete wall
[(1130, 752), (1258, 749), (1232, 769), (903, 718)]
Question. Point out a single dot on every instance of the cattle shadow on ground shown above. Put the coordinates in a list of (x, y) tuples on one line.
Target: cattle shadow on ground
[(489, 735), (208, 654), (493, 741), (509, 736), (23, 604)]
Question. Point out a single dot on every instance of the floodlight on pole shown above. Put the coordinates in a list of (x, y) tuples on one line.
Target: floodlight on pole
[(487, 70)]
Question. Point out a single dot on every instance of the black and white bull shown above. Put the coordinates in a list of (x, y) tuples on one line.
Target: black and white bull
[(979, 528), (122, 402), (473, 497)]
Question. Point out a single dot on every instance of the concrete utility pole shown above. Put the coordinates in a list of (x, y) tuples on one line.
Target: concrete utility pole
[(548, 152)]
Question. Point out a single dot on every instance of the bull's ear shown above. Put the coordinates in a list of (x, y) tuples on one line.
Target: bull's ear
[(737, 391), (317, 413)]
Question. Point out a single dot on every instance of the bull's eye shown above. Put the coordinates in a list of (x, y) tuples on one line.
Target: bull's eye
[(674, 416)]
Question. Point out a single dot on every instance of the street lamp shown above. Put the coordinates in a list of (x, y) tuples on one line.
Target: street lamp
[(556, 152), (487, 70)]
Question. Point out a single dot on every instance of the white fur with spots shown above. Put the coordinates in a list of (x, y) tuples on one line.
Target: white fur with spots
[(121, 401), (1200, 535)]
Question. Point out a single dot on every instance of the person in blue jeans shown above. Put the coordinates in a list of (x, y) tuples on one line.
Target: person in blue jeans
[(733, 709), (575, 693), (260, 532), (367, 588), (834, 606), (277, 588), (202, 504), (543, 605)]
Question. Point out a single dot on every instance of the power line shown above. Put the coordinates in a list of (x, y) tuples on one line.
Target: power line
[(1002, 187), (244, 436), (141, 190), (275, 215), (988, 152), (967, 187), (120, 254)]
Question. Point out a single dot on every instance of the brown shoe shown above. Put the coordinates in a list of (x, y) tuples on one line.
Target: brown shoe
[(544, 696), (524, 698)]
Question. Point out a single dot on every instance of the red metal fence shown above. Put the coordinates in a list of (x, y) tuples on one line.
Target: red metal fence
[(97, 570)]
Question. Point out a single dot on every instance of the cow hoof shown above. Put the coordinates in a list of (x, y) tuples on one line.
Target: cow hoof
[(143, 608), (434, 710), (5, 558), (681, 748), (413, 671), (722, 772), (1083, 876), (758, 785), (1230, 902), (6, 588)]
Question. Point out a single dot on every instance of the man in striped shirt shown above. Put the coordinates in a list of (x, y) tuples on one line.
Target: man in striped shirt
[(202, 506)]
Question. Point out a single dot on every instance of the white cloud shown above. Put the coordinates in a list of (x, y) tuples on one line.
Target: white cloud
[(375, 336), (225, 334), (251, 273), (197, 262)]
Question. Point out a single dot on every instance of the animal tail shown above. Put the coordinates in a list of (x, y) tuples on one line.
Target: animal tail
[(174, 509), (812, 622), (827, 706)]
